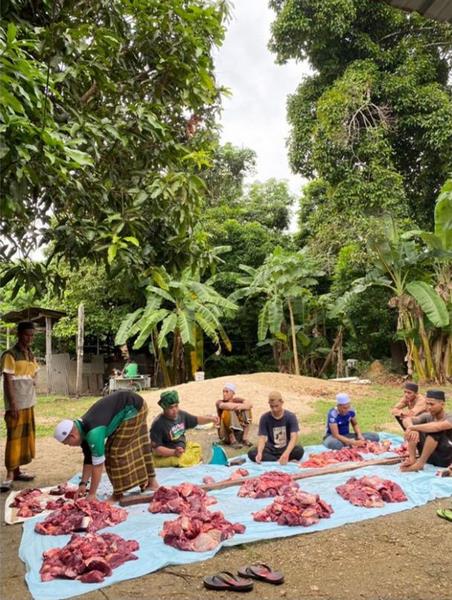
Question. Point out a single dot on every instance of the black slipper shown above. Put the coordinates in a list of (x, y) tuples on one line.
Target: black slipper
[(226, 581), (262, 572)]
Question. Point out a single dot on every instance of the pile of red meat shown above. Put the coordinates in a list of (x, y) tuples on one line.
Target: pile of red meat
[(237, 474), (89, 558), (295, 507), (30, 502), (375, 447), (371, 492), (199, 532), (81, 515), (330, 457), (180, 499), (272, 483)]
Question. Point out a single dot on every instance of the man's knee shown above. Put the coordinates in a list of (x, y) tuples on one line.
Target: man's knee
[(252, 454), (371, 437), (297, 453), (332, 443)]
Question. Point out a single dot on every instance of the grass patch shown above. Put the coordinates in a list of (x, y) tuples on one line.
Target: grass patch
[(50, 410)]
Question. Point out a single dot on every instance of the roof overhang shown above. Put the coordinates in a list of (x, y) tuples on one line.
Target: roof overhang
[(34, 313), (440, 10)]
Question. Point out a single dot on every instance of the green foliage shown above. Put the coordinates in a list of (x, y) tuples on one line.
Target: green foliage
[(373, 124), (105, 163)]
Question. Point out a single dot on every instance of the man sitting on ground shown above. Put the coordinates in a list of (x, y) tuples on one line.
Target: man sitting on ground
[(169, 446), (430, 434), (235, 417), (278, 434), (411, 405), (338, 422)]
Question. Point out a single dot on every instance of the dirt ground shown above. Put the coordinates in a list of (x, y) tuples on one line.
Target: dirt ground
[(405, 556)]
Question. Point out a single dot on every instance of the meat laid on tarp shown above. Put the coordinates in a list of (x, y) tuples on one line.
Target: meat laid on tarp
[(89, 558), (331, 457), (295, 508), (28, 502), (180, 499), (371, 492), (73, 515), (199, 532), (272, 483), (237, 474)]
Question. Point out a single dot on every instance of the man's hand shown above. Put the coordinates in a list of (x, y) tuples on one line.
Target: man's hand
[(91, 496), (284, 458), (358, 443), (179, 451), (259, 457), (397, 412), (81, 492), (411, 435), (13, 411)]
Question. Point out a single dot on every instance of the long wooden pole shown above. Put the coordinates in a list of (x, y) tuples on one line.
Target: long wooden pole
[(329, 470), (49, 354), (80, 340)]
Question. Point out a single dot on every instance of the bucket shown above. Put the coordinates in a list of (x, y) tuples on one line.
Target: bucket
[(199, 376)]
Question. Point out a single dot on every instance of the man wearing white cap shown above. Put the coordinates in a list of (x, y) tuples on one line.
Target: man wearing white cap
[(113, 432), (339, 419), (235, 417)]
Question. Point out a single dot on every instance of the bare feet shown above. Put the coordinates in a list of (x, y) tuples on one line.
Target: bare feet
[(152, 484), (114, 498), (412, 467)]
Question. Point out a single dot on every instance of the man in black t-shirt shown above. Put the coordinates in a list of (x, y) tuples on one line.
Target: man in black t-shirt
[(169, 445), (278, 434)]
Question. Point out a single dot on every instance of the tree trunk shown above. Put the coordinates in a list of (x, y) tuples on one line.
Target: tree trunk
[(294, 339)]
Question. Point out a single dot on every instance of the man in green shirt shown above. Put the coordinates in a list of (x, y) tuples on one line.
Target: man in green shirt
[(112, 432)]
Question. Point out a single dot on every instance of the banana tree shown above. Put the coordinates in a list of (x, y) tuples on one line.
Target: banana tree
[(283, 279), (177, 311), (405, 267)]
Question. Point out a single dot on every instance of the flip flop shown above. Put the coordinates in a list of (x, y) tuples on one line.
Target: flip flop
[(262, 572), (445, 513), (227, 582), (6, 486), (24, 477)]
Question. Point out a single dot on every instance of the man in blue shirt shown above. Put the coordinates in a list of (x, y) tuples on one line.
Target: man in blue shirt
[(278, 434), (338, 422)]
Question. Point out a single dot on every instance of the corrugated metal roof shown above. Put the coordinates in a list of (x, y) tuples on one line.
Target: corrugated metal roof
[(32, 313), (440, 10)]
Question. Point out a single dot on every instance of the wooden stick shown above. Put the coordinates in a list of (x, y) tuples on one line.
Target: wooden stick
[(329, 470)]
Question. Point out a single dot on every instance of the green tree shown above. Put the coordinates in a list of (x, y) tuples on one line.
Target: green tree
[(373, 124), (284, 278), (178, 311), (107, 125)]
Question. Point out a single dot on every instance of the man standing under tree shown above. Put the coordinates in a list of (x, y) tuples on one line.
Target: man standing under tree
[(19, 369)]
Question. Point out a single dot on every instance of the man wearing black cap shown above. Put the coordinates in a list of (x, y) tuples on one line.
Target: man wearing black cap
[(430, 434), (412, 403)]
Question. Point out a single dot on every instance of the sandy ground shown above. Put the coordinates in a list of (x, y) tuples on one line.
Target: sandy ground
[(405, 556)]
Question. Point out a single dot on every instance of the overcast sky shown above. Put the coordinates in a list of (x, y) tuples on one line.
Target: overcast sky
[(255, 115)]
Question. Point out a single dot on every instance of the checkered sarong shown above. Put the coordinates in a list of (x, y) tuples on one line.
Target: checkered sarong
[(20, 438), (128, 455)]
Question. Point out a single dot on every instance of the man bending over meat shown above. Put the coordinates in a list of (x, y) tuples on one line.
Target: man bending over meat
[(337, 434), (112, 432), (169, 446), (430, 434), (235, 417), (412, 403), (278, 434)]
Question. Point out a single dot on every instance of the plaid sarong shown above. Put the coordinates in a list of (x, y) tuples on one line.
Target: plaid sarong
[(20, 438), (128, 455)]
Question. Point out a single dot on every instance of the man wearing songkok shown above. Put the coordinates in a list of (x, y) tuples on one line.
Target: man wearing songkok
[(339, 419), (114, 433), (19, 369), (277, 435), (412, 403), (430, 434), (235, 417), (169, 445)]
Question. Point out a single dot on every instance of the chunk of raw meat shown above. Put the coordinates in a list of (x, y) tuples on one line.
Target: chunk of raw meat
[(88, 558), (272, 483), (329, 457), (28, 502), (180, 499), (371, 492), (295, 508), (66, 490), (199, 532), (73, 515)]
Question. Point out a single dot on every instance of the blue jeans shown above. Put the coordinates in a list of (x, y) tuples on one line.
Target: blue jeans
[(333, 444)]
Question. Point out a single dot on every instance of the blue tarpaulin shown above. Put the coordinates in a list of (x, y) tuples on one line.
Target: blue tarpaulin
[(153, 554)]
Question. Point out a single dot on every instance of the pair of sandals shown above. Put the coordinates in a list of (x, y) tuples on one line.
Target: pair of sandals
[(7, 484), (227, 581), (445, 513)]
